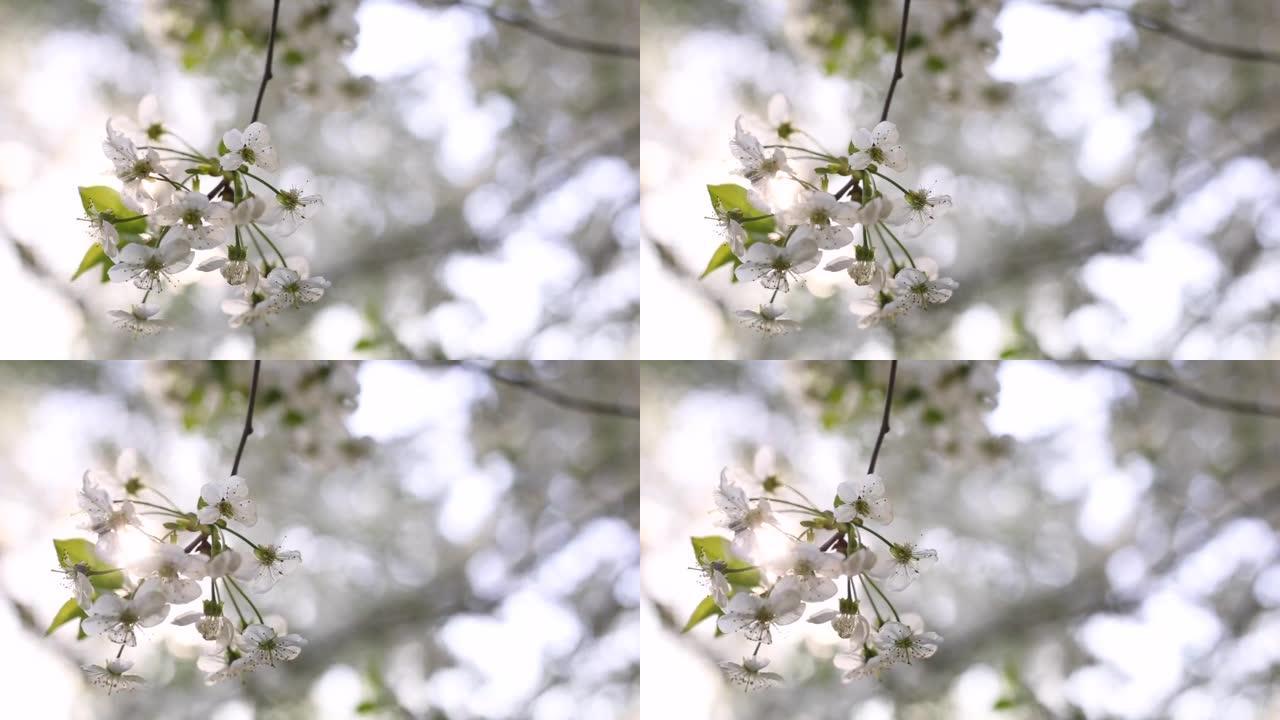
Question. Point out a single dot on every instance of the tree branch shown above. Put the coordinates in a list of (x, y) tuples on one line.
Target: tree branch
[(271, 51), (551, 35), (248, 417), (1195, 395), (875, 452), (1168, 29), (893, 85)]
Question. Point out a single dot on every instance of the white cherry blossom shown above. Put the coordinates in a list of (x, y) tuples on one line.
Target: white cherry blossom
[(898, 643), (112, 676), (777, 267), (150, 268), (750, 674), (251, 147), (768, 319), (267, 564), (878, 146), (227, 499), (139, 319), (754, 615), (262, 646), (864, 498)]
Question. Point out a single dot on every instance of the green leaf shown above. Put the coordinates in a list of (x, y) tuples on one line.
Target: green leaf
[(730, 199), (70, 611), (714, 548), (105, 199), (78, 550), (367, 343), (368, 707), (707, 608), (1005, 703), (722, 256), (92, 258)]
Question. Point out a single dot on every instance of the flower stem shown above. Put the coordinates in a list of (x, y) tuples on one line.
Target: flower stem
[(244, 595), (270, 187), (283, 262), (899, 242), (233, 532), (873, 532), (880, 592), (892, 182), (235, 604)]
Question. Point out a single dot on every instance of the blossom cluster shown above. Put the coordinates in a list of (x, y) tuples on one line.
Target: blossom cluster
[(305, 406), (128, 578), (757, 586), (950, 44), (777, 230), (151, 230), (313, 40)]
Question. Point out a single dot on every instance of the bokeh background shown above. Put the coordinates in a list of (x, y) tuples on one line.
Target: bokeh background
[(1107, 545), (479, 179), (469, 547), (1115, 185)]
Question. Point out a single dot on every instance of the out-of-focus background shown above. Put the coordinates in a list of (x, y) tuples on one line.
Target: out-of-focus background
[(469, 546), (478, 166), (1112, 165), (1107, 545)]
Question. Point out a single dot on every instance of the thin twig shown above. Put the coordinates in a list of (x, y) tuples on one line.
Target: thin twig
[(884, 419), (551, 35), (248, 417), (1195, 395), (1168, 29), (893, 85), (897, 66), (875, 452), (271, 50)]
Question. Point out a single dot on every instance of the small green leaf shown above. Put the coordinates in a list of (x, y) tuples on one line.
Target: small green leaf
[(368, 707), (730, 199), (70, 611), (1005, 703), (722, 256), (78, 550), (92, 258), (367, 343), (105, 199), (714, 548), (707, 608)]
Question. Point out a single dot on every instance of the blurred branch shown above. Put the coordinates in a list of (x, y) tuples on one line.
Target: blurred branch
[(1168, 29), (551, 35), (552, 395), (1194, 394), (669, 260), (28, 259)]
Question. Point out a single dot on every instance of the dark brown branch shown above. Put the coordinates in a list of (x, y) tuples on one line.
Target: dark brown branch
[(551, 35), (248, 417), (884, 419), (1168, 29), (897, 66), (271, 51), (1196, 395), (893, 85)]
